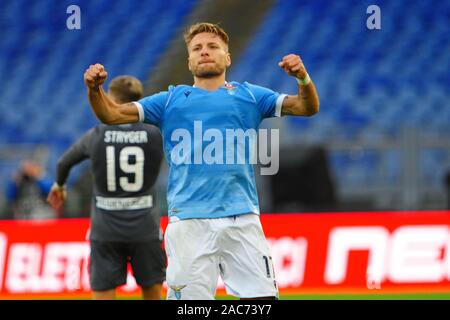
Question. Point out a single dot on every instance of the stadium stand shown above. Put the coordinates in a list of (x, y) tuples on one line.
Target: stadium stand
[(42, 97), (373, 84)]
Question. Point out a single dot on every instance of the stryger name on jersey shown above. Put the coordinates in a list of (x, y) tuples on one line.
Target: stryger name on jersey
[(125, 136)]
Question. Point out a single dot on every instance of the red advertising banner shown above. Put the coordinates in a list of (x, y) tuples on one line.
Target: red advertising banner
[(362, 252)]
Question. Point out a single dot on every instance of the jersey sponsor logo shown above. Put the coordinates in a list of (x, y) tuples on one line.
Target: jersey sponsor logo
[(131, 203), (113, 136)]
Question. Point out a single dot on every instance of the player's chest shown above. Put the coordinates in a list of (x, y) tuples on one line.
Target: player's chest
[(221, 108)]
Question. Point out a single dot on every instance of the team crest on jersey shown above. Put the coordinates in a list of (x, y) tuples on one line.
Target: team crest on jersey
[(230, 88), (177, 291)]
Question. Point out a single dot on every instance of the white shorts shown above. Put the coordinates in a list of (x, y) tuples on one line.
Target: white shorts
[(198, 250)]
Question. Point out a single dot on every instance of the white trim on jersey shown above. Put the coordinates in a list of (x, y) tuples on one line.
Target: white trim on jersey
[(140, 111), (279, 105)]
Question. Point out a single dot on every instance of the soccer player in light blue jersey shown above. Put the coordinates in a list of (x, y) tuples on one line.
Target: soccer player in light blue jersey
[(213, 204)]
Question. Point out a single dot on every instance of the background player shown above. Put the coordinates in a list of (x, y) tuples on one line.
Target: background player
[(125, 162), (213, 209)]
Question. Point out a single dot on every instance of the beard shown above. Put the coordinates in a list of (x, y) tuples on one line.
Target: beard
[(207, 71)]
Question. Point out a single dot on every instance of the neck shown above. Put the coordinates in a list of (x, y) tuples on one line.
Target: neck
[(210, 84)]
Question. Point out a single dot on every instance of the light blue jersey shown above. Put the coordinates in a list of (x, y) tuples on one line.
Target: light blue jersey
[(206, 180)]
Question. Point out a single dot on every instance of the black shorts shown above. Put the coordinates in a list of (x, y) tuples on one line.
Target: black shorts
[(108, 265)]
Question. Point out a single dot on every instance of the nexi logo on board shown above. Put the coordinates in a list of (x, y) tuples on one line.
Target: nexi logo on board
[(289, 259), (411, 254)]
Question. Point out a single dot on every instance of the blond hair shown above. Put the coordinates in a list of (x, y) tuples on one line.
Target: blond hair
[(125, 89), (205, 27)]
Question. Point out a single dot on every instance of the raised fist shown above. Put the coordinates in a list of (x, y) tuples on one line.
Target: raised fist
[(293, 66), (95, 76)]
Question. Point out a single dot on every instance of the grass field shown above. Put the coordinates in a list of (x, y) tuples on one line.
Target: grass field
[(416, 296)]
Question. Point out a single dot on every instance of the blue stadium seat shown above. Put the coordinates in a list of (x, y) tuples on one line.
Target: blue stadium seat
[(42, 62), (371, 83)]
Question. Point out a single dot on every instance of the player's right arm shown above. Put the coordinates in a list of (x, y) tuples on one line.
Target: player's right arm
[(106, 110)]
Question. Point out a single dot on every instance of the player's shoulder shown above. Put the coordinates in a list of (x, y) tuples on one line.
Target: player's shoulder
[(150, 128), (245, 88), (92, 135), (179, 89), (97, 130), (251, 86), (135, 126), (173, 91), (235, 84), (101, 128), (147, 133)]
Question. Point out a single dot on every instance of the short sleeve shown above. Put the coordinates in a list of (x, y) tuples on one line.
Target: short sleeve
[(268, 102), (151, 108)]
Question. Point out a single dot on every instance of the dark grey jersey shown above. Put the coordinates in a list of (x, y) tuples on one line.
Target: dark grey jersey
[(125, 162)]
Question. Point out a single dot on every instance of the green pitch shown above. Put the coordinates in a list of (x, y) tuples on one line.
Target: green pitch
[(397, 296)]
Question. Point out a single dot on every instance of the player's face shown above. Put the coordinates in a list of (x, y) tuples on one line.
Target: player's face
[(208, 55)]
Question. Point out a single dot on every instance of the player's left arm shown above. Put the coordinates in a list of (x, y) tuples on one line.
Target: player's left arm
[(75, 154), (306, 102)]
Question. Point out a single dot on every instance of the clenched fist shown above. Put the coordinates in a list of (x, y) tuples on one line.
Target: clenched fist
[(95, 76), (56, 196), (293, 66)]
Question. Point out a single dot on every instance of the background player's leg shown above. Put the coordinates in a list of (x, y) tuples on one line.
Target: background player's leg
[(104, 295), (148, 262), (107, 269), (153, 292)]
